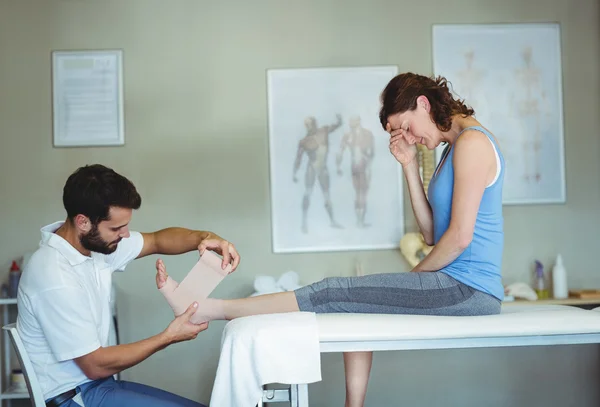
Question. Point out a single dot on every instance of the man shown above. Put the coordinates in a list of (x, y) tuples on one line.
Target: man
[(316, 146), (64, 295), (360, 142)]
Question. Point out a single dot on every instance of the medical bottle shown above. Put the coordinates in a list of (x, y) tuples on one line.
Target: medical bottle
[(559, 279), (540, 284)]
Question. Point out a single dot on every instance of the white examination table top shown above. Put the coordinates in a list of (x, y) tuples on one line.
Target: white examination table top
[(515, 326)]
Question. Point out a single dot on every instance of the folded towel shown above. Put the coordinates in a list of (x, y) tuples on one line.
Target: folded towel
[(263, 349), (289, 281)]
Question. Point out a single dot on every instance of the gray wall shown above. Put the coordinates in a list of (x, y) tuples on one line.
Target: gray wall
[(197, 148)]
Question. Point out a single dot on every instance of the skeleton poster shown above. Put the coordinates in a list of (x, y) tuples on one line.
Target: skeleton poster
[(511, 75)]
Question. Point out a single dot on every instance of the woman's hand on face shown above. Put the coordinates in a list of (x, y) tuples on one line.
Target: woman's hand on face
[(402, 151)]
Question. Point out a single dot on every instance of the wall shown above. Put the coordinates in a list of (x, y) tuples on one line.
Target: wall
[(197, 148)]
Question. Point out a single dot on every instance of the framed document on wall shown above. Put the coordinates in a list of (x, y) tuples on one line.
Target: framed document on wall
[(87, 98)]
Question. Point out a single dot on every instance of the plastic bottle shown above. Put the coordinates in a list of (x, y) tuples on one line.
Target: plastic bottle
[(13, 279), (540, 284), (559, 279)]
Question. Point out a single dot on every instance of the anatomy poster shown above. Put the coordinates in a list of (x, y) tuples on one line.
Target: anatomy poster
[(334, 183), (511, 75)]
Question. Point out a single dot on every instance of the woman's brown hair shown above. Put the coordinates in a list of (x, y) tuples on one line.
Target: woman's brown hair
[(401, 93)]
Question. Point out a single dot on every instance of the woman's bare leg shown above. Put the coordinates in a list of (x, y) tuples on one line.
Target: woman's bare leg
[(210, 309), (261, 304), (357, 366)]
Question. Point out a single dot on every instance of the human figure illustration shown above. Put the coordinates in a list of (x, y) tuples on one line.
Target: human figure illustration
[(360, 143), (469, 82), (315, 145), (529, 107)]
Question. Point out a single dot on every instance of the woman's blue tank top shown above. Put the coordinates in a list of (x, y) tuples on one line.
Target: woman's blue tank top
[(480, 264)]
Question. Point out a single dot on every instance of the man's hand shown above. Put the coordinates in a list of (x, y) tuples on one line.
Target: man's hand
[(181, 329), (219, 245)]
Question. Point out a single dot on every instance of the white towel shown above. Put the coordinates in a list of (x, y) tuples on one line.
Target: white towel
[(263, 349)]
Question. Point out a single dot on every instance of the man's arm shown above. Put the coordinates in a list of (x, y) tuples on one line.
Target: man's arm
[(66, 317), (473, 158), (105, 362), (177, 240)]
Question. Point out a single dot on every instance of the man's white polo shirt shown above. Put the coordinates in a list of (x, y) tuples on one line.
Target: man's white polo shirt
[(64, 306)]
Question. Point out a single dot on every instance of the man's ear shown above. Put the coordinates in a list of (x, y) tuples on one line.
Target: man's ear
[(83, 223)]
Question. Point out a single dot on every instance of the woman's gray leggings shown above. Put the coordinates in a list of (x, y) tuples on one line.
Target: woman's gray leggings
[(421, 293)]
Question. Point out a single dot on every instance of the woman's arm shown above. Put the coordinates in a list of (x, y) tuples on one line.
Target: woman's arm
[(474, 165), (418, 200), (406, 155)]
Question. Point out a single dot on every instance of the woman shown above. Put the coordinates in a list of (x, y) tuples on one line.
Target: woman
[(461, 215)]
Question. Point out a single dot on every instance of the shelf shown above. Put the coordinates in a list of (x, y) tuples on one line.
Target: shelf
[(8, 301), (14, 394), (551, 301)]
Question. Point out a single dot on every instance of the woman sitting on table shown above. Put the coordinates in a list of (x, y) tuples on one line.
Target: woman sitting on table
[(462, 217)]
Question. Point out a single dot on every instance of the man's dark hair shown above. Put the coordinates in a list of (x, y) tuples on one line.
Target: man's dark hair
[(91, 191)]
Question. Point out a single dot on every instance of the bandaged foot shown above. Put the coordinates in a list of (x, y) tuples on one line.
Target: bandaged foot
[(202, 279)]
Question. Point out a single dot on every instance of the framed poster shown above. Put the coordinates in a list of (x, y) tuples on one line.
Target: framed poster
[(87, 96), (511, 74), (334, 184)]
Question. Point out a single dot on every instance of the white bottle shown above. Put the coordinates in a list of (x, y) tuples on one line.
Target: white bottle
[(559, 280)]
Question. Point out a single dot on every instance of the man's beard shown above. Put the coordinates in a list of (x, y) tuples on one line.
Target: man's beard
[(94, 243)]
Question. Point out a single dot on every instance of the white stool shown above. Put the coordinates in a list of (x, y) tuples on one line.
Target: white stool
[(33, 386)]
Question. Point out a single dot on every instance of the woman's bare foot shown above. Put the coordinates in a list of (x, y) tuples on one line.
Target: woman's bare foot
[(167, 286), (161, 274), (180, 298)]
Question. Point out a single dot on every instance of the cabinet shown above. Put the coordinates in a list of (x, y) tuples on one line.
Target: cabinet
[(7, 394)]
